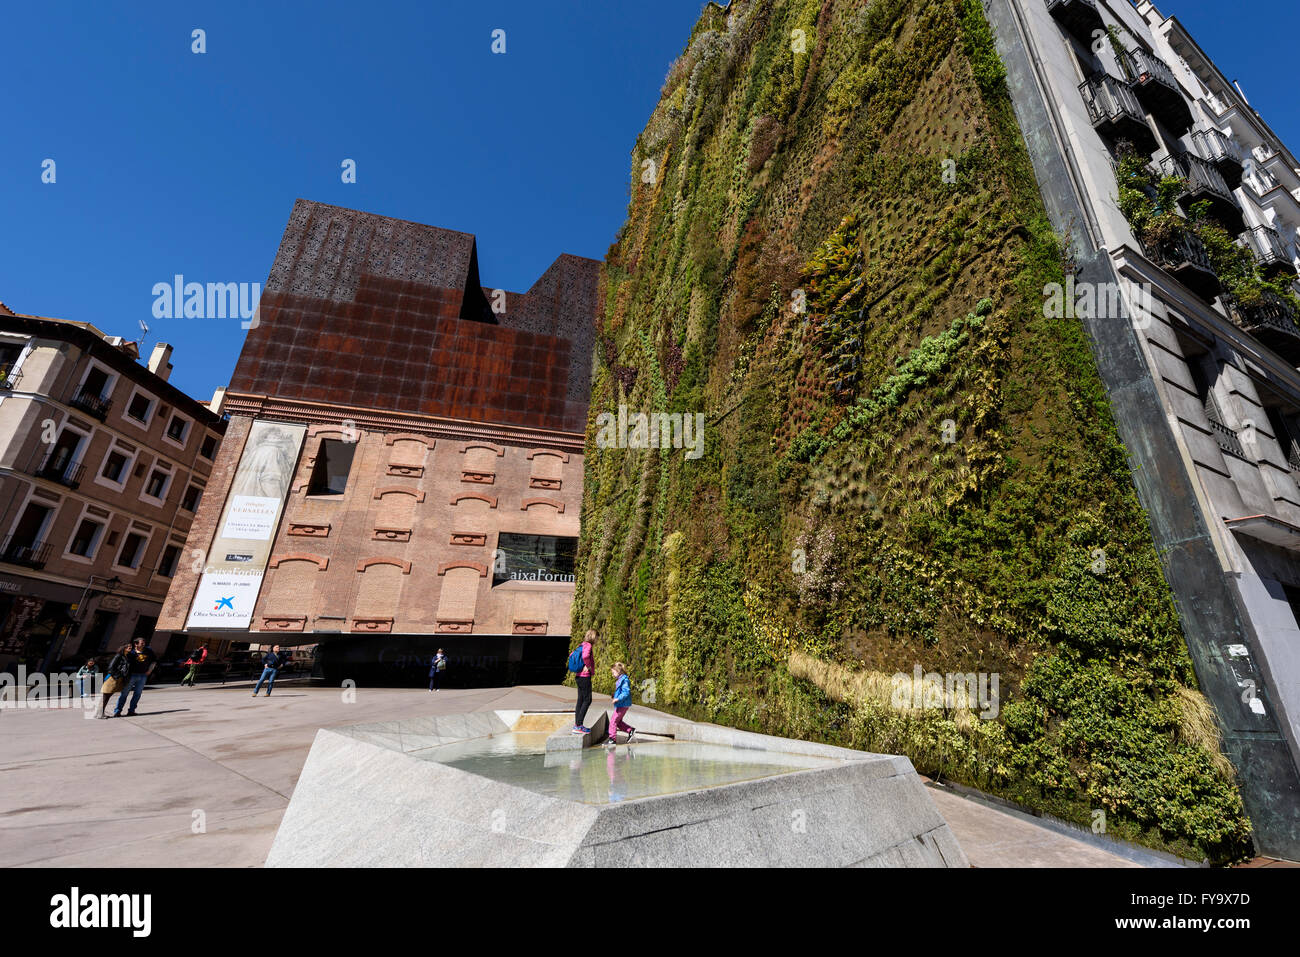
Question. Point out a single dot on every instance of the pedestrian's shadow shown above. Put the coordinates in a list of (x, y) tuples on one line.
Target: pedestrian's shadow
[(150, 714)]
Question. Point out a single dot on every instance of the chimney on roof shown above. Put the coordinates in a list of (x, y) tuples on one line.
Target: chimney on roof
[(160, 361)]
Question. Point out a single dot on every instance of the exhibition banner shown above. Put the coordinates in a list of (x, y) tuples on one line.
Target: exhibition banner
[(236, 563)]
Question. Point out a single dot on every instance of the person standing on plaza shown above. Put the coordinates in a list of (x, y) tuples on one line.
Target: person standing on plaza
[(622, 699), (142, 661), (85, 673), (119, 669), (584, 657), (271, 665), (439, 664), (196, 658)]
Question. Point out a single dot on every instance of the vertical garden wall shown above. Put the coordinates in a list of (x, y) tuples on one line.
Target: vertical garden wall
[(835, 250)]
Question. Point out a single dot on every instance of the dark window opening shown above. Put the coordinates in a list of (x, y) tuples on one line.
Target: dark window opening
[(157, 486), (329, 476), (1288, 435), (191, 500), (177, 428), (96, 382), (132, 550), (535, 558), (84, 540), (170, 556), (209, 447), (115, 467), (139, 407)]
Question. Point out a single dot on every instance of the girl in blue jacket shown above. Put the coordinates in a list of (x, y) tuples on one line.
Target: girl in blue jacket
[(622, 701)]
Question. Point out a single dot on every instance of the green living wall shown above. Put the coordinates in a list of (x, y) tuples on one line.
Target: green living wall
[(835, 250)]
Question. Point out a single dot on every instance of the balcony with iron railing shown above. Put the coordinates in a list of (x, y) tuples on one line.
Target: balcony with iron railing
[(1183, 256), (19, 551), (60, 468), (1205, 184), (1114, 111), (1156, 88), (1080, 17), (1270, 319), (1223, 153), (9, 377), (1271, 253), (91, 403)]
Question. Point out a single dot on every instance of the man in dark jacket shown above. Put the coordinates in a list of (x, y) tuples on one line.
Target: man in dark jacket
[(271, 665), (142, 661)]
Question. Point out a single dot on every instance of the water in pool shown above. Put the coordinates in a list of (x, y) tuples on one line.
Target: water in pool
[(606, 776)]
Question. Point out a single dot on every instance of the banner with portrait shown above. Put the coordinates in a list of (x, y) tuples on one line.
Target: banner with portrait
[(236, 562)]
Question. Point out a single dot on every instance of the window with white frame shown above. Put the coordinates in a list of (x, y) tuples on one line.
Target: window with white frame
[(115, 470), (170, 559), (134, 545), (139, 407), (97, 381), (178, 429), (157, 482), (85, 540)]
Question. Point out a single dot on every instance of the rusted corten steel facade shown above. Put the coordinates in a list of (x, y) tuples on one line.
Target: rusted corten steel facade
[(463, 408)]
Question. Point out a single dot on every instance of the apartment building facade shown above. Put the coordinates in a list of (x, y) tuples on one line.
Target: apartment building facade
[(403, 466), (103, 465), (1201, 358)]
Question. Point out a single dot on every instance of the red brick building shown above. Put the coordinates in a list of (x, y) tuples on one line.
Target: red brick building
[(402, 468)]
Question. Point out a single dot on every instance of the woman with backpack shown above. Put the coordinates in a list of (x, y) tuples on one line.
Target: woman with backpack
[(118, 670), (583, 665)]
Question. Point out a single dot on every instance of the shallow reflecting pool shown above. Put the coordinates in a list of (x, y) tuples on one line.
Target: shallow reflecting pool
[(605, 776)]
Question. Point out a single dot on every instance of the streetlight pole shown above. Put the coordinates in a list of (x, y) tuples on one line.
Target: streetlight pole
[(78, 616)]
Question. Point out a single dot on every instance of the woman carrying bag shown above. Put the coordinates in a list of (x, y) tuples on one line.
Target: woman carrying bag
[(118, 669)]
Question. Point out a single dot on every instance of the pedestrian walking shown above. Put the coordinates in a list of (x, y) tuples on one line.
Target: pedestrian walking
[(436, 667), (142, 661), (196, 658), (119, 669), (622, 699), (583, 664), (271, 665)]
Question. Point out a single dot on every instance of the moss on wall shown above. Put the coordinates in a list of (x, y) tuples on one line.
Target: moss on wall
[(835, 249)]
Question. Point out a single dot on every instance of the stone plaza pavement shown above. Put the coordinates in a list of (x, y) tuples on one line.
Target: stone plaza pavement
[(131, 792)]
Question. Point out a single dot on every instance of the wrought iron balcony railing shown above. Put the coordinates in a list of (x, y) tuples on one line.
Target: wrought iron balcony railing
[(61, 469), (1270, 319), (18, 551), (91, 403), (1218, 149), (1270, 252), (9, 377), (1080, 17), (1154, 84), (1115, 112), (1205, 184), (1184, 257)]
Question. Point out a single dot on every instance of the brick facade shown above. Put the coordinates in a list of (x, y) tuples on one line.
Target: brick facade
[(465, 424)]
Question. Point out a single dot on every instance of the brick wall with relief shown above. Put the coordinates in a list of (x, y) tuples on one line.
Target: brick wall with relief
[(425, 535)]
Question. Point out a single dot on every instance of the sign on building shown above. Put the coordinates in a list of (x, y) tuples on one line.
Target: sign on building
[(232, 577)]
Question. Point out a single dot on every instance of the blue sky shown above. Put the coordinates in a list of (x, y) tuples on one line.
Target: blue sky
[(170, 162)]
